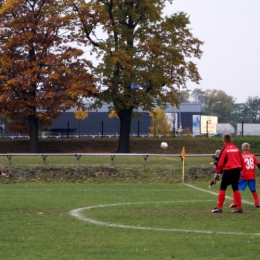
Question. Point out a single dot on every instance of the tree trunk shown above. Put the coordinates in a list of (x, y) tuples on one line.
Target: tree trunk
[(125, 117), (33, 131)]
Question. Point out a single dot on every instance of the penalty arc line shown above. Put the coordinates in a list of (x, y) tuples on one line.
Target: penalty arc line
[(77, 213)]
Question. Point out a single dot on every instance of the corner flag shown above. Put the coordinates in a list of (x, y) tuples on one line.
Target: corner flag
[(182, 158), (183, 152)]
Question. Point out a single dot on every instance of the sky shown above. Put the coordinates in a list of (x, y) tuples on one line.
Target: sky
[(230, 30)]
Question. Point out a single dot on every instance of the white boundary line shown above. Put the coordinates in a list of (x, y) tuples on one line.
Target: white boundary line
[(77, 213), (215, 193)]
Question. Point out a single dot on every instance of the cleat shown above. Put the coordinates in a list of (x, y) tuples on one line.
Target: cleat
[(216, 210), (232, 205), (237, 211), (257, 206)]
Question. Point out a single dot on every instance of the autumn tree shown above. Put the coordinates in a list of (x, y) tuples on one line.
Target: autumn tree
[(40, 74), (159, 122), (143, 56), (80, 114), (113, 114)]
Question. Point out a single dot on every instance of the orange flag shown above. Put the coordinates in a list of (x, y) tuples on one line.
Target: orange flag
[(183, 152)]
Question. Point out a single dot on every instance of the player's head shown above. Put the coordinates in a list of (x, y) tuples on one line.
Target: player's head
[(226, 138), (217, 153), (245, 147)]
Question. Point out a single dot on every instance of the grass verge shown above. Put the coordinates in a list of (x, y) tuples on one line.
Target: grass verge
[(124, 221)]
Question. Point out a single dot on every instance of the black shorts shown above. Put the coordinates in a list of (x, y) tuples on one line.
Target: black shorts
[(230, 177)]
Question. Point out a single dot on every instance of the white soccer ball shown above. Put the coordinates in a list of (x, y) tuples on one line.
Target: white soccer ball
[(164, 145)]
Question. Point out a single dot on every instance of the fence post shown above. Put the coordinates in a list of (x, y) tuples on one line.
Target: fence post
[(112, 159), (68, 134), (9, 159), (44, 159), (102, 129), (78, 157), (145, 159)]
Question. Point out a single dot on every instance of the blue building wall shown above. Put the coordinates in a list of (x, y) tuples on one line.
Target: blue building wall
[(98, 122)]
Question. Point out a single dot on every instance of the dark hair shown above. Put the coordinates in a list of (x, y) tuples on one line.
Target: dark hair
[(226, 138)]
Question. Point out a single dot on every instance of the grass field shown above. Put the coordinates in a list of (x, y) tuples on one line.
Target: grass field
[(98, 211), (124, 221)]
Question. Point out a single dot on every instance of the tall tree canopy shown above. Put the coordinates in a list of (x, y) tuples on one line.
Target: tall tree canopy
[(218, 103), (40, 74), (144, 57), (251, 109)]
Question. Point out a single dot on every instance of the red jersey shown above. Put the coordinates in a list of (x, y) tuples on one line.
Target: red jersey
[(250, 161), (230, 158)]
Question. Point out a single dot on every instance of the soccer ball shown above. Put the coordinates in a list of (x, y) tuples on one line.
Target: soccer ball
[(164, 145)]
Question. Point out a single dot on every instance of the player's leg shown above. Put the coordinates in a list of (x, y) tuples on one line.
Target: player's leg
[(252, 185), (222, 192), (234, 176), (241, 186)]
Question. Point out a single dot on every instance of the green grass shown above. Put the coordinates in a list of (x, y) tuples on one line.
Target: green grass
[(144, 212), (36, 224)]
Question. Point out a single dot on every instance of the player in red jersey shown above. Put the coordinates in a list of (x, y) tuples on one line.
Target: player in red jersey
[(248, 175), (231, 164)]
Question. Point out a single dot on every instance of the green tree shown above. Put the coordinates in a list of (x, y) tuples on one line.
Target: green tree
[(237, 113), (184, 96), (40, 75), (198, 95), (252, 109), (143, 56), (218, 103)]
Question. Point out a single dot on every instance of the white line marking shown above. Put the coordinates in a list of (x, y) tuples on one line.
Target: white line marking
[(77, 213), (215, 193)]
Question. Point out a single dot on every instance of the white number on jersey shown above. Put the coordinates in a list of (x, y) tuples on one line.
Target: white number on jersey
[(249, 163)]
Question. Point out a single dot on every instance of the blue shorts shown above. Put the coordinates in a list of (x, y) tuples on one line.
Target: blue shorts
[(250, 183)]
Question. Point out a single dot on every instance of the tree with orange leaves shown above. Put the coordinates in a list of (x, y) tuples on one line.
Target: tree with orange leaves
[(40, 74), (80, 115)]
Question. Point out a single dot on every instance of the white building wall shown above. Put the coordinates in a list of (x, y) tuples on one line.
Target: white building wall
[(248, 129)]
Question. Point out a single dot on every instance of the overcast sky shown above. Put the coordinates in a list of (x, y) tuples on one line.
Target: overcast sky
[(230, 30)]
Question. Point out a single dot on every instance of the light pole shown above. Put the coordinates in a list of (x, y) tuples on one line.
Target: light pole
[(219, 102), (174, 121), (173, 124), (208, 122)]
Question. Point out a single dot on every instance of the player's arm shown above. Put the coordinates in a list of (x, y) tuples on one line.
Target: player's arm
[(256, 162), (242, 163)]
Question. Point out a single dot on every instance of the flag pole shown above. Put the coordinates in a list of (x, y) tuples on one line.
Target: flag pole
[(183, 162), (183, 170)]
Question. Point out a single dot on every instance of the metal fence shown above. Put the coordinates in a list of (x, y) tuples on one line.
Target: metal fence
[(110, 155)]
